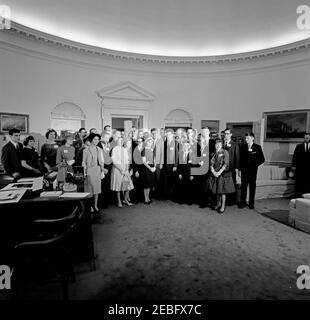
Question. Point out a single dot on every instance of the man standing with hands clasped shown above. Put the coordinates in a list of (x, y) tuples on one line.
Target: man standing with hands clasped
[(251, 158), (301, 167), (234, 161), (11, 155)]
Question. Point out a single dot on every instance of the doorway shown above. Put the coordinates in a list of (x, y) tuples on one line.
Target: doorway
[(119, 123)]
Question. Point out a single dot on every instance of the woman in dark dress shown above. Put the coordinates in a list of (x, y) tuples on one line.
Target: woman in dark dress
[(148, 173), (49, 153), (220, 181), (138, 168), (30, 159)]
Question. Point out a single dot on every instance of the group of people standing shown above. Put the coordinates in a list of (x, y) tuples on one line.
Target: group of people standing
[(180, 165)]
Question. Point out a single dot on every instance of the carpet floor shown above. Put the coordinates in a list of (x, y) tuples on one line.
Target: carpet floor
[(170, 251)]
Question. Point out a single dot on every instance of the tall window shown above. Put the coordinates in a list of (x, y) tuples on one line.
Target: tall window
[(68, 117)]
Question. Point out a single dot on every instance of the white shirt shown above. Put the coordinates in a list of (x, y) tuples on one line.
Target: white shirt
[(14, 144), (307, 144)]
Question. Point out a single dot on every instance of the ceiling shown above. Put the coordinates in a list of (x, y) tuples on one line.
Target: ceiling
[(166, 27)]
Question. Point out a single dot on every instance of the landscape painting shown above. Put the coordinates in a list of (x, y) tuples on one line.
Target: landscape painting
[(14, 121), (286, 125)]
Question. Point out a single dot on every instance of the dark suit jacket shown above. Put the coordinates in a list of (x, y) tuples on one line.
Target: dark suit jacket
[(11, 158), (251, 160), (301, 161), (167, 150), (184, 167), (234, 155), (202, 155)]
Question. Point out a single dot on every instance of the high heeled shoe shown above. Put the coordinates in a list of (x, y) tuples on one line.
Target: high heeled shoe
[(128, 203), (220, 211)]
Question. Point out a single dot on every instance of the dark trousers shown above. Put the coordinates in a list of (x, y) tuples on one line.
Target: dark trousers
[(248, 178), (137, 194), (231, 198), (158, 185), (169, 182), (106, 193), (184, 190)]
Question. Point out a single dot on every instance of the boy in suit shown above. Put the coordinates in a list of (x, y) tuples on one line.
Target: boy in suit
[(234, 161), (158, 149), (300, 165), (11, 155), (170, 163), (252, 157)]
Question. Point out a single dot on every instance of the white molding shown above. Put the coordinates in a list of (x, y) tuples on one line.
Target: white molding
[(47, 39), (112, 92)]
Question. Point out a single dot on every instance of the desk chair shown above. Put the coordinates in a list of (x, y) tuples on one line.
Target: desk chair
[(49, 250)]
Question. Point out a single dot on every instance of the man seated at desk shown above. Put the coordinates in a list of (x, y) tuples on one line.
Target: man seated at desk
[(11, 155)]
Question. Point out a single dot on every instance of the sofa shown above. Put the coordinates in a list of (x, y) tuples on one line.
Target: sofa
[(272, 182), (299, 216)]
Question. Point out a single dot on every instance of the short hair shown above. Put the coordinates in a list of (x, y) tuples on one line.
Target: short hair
[(205, 127), (133, 127), (49, 132), (92, 130), (82, 130), (29, 138), (228, 129), (217, 140), (92, 136), (307, 134), (170, 130), (106, 126), (249, 134), (154, 129), (68, 136), (12, 131)]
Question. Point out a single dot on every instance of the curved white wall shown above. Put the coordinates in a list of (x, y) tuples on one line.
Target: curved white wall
[(35, 78)]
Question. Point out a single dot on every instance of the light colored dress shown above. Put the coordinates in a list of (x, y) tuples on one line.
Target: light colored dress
[(93, 164), (64, 154), (120, 158)]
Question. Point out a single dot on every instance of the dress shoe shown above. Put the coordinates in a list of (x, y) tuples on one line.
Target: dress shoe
[(241, 205), (251, 206)]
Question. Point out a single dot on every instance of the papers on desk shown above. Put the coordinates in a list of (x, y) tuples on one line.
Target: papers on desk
[(51, 194), (11, 196), (32, 184), (76, 195)]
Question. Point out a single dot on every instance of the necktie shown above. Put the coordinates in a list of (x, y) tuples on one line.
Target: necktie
[(307, 147)]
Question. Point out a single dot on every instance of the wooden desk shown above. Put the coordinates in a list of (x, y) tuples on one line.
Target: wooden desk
[(16, 221)]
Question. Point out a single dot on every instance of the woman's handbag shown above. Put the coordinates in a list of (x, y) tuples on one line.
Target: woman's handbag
[(125, 183)]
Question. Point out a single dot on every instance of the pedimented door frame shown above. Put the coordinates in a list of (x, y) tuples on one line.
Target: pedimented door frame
[(125, 100)]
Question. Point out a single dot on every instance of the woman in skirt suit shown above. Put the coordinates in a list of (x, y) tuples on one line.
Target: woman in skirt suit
[(93, 167), (220, 181), (120, 176), (148, 172)]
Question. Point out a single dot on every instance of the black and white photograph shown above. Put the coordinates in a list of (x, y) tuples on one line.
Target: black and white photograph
[(171, 139)]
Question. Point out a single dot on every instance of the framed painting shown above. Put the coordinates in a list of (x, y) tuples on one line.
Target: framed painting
[(14, 121), (288, 126), (213, 125)]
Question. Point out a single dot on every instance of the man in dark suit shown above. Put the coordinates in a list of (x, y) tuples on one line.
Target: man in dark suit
[(170, 164), (11, 155), (301, 167), (184, 190), (158, 149), (78, 144), (251, 158), (104, 144), (234, 161)]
